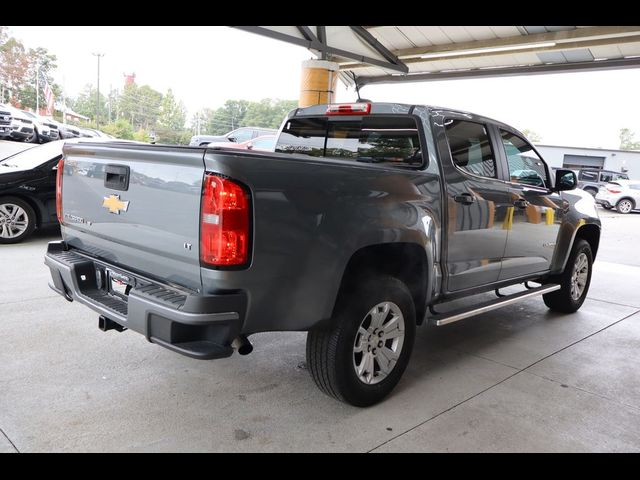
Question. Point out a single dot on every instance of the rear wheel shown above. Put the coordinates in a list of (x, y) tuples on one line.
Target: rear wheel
[(625, 205), (17, 220), (361, 358), (574, 281), (592, 191)]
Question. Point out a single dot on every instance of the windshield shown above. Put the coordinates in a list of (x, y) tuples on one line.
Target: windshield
[(33, 157)]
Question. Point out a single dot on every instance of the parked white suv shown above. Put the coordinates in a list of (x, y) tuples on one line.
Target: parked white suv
[(5, 122), (623, 195), (44, 130), (21, 124)]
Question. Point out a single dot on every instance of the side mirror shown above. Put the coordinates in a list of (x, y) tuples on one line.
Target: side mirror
[(250, 146), (231, 139), (565, 180)]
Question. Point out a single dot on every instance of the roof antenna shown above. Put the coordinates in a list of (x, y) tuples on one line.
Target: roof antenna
[(355, 81)]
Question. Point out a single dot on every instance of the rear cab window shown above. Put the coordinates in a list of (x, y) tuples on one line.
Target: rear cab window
[(376, 139)]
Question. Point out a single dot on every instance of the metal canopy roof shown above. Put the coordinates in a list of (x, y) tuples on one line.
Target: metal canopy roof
[(384, 54)]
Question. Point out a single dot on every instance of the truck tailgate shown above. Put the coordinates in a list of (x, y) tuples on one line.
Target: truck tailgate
[(137, 206)]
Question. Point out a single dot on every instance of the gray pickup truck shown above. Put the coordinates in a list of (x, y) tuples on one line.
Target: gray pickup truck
[(366, 221)]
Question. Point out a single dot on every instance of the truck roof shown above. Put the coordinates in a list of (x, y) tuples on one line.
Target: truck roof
[(395, 108)]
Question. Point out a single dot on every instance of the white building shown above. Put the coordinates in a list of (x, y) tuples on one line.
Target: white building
[(624, 161)]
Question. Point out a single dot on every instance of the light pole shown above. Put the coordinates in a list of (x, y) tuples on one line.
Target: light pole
[(98, 91)]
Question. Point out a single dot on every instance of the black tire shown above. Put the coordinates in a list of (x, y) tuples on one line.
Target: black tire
[(562, 300), (330, 353), (625, 205), (35, 138), (30, 216), (592, 191)]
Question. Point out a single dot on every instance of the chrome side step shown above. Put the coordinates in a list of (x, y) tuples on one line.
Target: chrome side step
[(462, 313)]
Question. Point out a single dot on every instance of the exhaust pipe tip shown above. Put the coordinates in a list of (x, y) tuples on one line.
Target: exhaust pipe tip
[(242, 345), (105, 324)]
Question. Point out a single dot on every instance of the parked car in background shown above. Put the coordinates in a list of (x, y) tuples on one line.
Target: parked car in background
[(86, 133), (590, 179), (623, 195), (65, 130), (265, 143), (28, 189), (238, 135), (5, 122), (44, 130), (21, 124), (92, 132)]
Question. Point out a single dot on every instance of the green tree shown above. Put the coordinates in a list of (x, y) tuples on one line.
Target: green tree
[(531, 135), (85, 104), (200, 121), (140, 106), (121, 128), (41, 62), (173, 115), (141, 135), (14, 65), (173, 137), (226, 118), (627, 138), (268, 113)]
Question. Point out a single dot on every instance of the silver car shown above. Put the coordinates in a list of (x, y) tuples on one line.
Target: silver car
[(623, 195)]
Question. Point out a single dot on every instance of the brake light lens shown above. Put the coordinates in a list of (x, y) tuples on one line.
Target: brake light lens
[(613, 190), (349, 109), (224, 228), (59, 189)]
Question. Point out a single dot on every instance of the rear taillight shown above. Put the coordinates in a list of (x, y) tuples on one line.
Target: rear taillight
[(59, 189), (613, 190), (349, 109), (224, 226)]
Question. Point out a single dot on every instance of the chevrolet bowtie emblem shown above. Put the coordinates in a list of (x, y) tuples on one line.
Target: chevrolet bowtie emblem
[(114, 204)]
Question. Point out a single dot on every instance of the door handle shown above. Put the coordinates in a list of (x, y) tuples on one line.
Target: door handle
[(521, 203), (464, 198)]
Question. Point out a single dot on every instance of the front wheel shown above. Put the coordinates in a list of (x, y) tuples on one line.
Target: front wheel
[(35, 138), (574, 281), (361, 358)]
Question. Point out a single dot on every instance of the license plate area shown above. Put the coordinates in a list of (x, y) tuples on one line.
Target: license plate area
[(118, 284)]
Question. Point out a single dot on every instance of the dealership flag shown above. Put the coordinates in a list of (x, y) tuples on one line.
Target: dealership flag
[(49, 98)]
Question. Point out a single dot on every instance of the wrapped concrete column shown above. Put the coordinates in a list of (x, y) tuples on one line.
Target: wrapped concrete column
[(318, 84)]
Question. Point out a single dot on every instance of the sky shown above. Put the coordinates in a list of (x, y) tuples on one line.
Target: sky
[(204, 66)]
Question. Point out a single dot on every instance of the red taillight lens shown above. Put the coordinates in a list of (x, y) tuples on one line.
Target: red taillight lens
[(59, 189), (613, 190), (224, 226), (349, 109)]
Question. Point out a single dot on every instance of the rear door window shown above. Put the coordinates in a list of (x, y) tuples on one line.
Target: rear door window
[(374, 139), (470, 148)]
